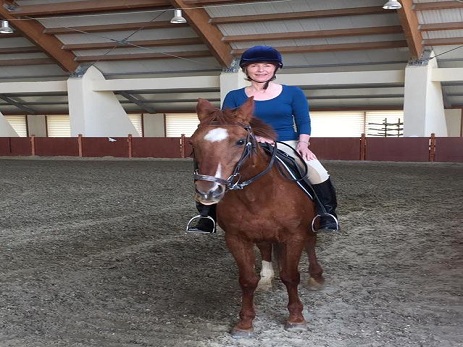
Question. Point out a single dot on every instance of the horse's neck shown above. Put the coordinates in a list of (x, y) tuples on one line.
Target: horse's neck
[(256, 163)]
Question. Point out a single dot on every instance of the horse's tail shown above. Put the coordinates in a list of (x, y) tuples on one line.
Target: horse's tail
[(276, 255)]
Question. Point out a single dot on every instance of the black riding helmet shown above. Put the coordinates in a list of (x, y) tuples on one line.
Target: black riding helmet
[(261, 54)]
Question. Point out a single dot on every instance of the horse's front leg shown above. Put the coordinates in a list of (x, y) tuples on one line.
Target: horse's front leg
[(243, 252), (289, 273), (316, 280), (267, 274)]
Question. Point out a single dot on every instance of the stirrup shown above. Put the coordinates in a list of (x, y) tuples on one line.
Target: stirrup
[(325, 215), (197, 218)]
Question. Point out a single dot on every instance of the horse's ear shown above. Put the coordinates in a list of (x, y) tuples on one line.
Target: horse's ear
[(245, 111), (204, 109)]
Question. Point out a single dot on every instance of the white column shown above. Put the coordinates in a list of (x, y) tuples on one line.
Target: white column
[(454, 119), (423, 102), (96, 114), (6, 130), (230, 81)]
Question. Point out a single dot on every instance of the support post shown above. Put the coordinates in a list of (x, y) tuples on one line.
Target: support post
[(363, 147), (32, 138), (79, 143), (432, 147), (129, 141), (182, 146)]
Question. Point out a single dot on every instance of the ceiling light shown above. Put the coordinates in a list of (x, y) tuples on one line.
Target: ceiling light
[(392, 5), (6, 29), (178, 18)]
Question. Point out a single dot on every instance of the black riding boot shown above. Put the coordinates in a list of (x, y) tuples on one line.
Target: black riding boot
[(326, 206), (205, 222)]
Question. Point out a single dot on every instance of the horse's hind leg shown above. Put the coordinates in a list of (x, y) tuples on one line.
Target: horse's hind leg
[(266, 273), (316, 279), (289, 261)]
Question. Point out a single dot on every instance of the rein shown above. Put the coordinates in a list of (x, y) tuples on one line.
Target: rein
[(233, 181)]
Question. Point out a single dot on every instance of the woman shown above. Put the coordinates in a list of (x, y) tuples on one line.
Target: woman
[(281, 106)]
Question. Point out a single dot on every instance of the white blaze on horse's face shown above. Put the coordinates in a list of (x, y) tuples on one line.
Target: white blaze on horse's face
[(216, 135), (212, 194)]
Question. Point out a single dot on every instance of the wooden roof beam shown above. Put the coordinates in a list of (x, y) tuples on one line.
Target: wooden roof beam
[(199, 20), (15, 50), (453, 41), (441, 26), (410, 26), (88, 6), (50, 45), (25, 62)]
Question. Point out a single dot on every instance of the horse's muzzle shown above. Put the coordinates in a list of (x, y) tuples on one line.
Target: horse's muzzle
[(209, 196)]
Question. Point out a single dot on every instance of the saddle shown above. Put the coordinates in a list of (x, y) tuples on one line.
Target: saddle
[(290, 168)]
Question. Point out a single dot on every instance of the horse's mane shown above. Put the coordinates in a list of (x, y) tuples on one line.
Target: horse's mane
[(226, 117), (262, 129)]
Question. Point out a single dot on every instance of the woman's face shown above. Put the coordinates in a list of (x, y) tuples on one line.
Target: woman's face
[(260, 72)]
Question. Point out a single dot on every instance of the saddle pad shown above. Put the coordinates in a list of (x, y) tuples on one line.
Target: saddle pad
[(291, 169)]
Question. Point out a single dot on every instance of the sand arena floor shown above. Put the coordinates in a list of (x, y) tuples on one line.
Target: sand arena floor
[(93, 253)]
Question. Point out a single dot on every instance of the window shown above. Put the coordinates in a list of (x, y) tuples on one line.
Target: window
[(178, 124), (19, 124), (58, 126), (337, 124), (136, 120)]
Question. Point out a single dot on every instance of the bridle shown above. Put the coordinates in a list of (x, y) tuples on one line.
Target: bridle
[(233, 181)]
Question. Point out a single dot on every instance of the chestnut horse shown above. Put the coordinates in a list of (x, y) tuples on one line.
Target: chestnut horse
[(256, 204)]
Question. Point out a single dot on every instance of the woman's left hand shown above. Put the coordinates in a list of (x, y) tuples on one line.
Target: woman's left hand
[(303, 149), (264, 140)]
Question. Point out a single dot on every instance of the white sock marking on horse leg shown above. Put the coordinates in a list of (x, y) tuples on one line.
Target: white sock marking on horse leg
[(266, 276), (267, 269)]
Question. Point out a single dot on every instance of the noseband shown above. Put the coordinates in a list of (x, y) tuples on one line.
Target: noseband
[(233, 181)]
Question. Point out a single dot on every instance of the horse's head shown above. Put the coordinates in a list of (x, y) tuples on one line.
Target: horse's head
[(220, 143)]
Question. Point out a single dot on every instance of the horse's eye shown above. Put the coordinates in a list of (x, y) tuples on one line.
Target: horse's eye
[(240, 142)]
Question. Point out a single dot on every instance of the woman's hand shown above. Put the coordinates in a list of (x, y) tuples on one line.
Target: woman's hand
[(264, 140), (303, 149)]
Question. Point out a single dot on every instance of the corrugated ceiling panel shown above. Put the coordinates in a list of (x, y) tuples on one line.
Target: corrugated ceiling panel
[(284, 6), (440, 16), (308, 25), (108, 18), (147, 34), (442, 34)]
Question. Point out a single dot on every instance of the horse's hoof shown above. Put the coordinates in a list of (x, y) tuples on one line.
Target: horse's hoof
[(296, 326), (242, 334), (313, 284)]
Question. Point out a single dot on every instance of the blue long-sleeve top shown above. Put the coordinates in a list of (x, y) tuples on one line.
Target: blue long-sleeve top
[(287, 113)]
